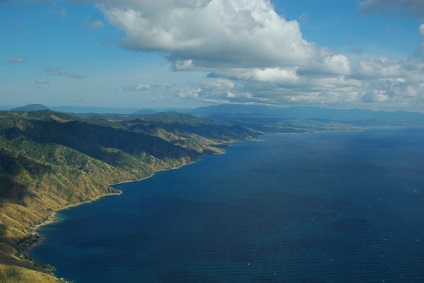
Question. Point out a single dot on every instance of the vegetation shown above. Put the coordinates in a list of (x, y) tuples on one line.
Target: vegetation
[(49, 161)]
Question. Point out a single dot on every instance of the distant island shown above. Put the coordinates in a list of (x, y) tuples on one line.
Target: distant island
[(52, 160)]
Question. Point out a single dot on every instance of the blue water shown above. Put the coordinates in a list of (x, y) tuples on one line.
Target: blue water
[(323, 207)]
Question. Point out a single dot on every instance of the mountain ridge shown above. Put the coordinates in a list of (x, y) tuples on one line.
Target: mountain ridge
[(51, 160), (30, 107)]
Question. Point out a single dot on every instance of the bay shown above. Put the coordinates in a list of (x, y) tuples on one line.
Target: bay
[(322, 207)]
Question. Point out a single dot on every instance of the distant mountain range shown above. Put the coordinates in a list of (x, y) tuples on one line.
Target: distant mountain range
[(254, 113), (354, 116), (93, 109), (30, 107)]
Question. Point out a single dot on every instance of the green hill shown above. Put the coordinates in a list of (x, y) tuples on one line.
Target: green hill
[(49, 161)]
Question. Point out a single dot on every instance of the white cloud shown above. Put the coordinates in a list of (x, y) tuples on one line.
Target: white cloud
[(189, 93), (54, 71), (218, 84), (237, 39), (269, 75), (379, 81), (393, 81), (147, 87), (226, 33), (337, 64), (139, 87), (375, 96), (252, 54), (15, 60), (216, 91), (381, 67)]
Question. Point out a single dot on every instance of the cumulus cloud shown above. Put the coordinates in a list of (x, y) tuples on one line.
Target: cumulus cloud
[(227, 34), (15, 60), (381, 67), (54, 71), (252, 54), (383, 81), (375, 96), (146, 87), (220, 90), (139, 87), (412, 7), (392, 81), (269, 75), (192, 93)]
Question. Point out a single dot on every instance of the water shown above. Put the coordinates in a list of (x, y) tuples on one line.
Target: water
[(327, 207)]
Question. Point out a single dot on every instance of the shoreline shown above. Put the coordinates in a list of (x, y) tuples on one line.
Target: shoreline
[(35, 239), (187, 195), (158, 171)]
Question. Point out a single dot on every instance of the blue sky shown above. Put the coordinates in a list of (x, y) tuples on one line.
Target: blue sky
[(189, 53)]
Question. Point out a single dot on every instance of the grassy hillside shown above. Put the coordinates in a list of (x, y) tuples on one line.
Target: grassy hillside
[(50, 160)]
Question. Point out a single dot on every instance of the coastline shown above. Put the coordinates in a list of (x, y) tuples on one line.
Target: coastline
[(52, 217), (157, 171), (35, 239)]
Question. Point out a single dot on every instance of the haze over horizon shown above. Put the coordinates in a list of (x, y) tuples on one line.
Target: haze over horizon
[(187, 53)]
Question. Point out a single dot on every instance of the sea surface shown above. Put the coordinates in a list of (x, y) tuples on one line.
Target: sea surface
[(322, 207)]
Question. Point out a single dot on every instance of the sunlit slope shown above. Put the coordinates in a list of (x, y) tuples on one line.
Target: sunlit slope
[(50, 160)]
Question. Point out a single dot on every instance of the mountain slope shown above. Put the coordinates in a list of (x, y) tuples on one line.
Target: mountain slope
[(51, 160)]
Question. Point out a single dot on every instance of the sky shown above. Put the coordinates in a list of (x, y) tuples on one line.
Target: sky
[(191, 53)]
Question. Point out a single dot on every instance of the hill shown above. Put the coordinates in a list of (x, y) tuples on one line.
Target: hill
[(31, 107), (50, 160)]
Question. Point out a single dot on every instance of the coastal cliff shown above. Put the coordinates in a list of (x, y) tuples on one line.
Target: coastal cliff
[(50, 161)]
